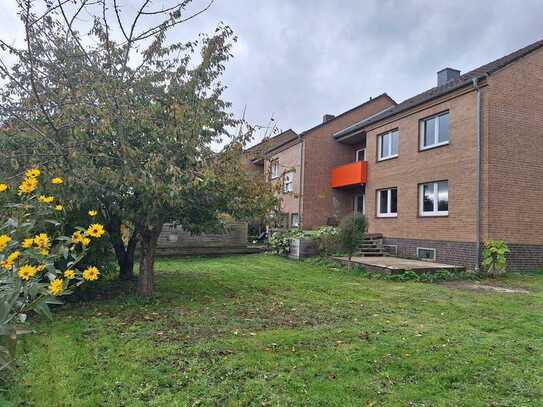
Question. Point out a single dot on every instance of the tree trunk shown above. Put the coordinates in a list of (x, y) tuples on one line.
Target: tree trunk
[(125, 254), (149, 239)]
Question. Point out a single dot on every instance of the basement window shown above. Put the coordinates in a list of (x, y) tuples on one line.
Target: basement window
[(425, 253)]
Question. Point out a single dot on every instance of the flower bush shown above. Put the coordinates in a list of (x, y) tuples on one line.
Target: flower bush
[(38, 264), (280, 240), (328, 241)]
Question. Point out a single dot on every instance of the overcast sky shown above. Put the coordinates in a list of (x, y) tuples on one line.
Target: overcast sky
[(297, 60)]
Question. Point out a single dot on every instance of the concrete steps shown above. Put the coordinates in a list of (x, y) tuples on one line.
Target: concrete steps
[(372, 246)]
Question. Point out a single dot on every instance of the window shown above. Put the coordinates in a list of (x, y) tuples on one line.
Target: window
[(360, 155), (295, 220), (387, 145), (434, 199), (425, 253), (434, 131), (274, 169), (359, 206), (288, 182), (391, 249), (387, 203)]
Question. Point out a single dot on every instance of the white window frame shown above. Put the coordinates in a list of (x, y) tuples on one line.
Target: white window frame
[(297, 225), (429, 249), (436, 132), (388, 213), (380, 156), (363, 150), (274, 169), (436, 211), (288, 182)]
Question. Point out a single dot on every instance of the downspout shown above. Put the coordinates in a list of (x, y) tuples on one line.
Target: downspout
[(478, 173), (301, 192)]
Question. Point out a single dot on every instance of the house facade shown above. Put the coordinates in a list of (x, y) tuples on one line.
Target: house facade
[(438, 174)]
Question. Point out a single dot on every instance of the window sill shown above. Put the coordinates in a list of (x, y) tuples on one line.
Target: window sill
[(387, 216), (433, 146), (434, 215), (388, 158)]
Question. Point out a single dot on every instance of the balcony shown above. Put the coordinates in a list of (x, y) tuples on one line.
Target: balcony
[(348, 175)]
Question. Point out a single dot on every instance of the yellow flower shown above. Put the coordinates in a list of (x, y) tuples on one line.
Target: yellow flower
[(42, 241), (4, 240), (91, 273), (96, 230), (27, 271), (58, 207), (32, 173), (27, 243), (93, 213), (56, 286), (10, 260), (69, 274), (57, 181), (77, 237), (46, 199), (3, 187), (28, 185), (85, 241)]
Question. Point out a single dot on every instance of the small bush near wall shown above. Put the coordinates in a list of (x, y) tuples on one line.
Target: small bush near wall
[(495, 257), (328, 241), (280, 240)]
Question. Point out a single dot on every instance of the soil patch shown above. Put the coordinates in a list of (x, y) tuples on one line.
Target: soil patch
[(464, 285)]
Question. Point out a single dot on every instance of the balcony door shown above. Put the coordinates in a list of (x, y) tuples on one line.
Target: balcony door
[(360, 204), (360, 155)]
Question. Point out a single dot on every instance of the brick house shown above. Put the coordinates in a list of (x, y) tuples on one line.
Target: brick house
[(301, 165), (458, 164), (437, 174)]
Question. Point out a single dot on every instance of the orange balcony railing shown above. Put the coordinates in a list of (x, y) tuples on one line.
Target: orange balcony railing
[(349, 174)]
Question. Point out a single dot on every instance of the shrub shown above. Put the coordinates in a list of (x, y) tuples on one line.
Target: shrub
[(494, 257), (351, 233), (280, 240), (328, 240), (38, 264)]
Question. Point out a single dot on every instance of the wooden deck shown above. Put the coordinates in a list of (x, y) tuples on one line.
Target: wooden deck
[(393, 265)]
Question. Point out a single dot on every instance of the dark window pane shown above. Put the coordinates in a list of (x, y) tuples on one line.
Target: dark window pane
[(443, 196), (429, 132), (428, 197), (394, 142), (383, 201), (443, 128), (426, 254), (394, 200)]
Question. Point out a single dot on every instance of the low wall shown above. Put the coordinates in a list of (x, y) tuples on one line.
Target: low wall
[(300, 248), (174, 241)]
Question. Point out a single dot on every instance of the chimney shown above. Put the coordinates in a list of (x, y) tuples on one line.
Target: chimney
[(446, 75), (327, 117)]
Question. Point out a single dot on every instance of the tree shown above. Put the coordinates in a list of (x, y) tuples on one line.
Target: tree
[(132, 119), (351, 234)]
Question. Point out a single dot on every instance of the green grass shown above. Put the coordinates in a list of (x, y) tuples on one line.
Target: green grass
[(260, 330)]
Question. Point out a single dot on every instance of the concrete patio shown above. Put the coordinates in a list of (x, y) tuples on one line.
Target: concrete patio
[(391, 265)]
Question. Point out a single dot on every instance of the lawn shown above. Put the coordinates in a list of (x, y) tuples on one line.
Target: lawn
[(260, 330)]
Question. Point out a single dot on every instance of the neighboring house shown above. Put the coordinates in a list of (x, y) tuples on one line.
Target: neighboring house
[(457, 165), (301, 164)]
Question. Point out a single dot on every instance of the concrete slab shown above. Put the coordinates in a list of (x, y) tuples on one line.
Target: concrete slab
[(389, 264)]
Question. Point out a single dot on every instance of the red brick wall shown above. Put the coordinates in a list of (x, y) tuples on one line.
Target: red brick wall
[(515, 152), (321, 153)]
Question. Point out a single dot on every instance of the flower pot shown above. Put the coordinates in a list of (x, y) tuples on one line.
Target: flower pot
[(8, 342)]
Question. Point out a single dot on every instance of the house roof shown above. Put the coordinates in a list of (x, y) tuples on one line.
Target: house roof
[(269, 144), (435, 92)]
